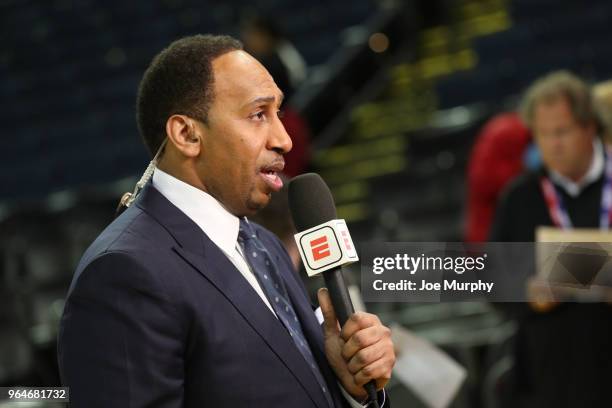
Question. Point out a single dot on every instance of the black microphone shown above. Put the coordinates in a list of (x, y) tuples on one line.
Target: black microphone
[(311, 204)]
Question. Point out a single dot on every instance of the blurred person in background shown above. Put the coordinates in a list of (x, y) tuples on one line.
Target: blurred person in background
[(497, 157), (563, 353), (182, 301)]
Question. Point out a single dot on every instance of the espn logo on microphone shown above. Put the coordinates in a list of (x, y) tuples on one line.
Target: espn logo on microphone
[(326, 246), (320, 248)]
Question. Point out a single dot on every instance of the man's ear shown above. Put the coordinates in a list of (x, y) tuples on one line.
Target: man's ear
[(184, 134)]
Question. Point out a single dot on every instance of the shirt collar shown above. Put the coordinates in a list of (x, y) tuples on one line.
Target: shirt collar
[(595, 171), (218, 224)]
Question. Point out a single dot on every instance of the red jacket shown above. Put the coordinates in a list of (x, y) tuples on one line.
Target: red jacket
[(497, 157)]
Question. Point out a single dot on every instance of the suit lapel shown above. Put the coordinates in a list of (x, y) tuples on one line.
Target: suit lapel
[(194, 247)]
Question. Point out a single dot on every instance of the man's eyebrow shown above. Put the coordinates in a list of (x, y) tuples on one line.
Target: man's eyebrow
[(266, 99)]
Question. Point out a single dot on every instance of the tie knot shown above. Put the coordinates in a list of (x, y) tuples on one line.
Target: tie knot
[(245, 231)]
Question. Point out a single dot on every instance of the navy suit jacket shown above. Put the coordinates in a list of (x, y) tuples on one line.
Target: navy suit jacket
[(158, 317)]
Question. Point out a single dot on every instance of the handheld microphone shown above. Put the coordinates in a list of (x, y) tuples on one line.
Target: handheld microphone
[(312, 204)]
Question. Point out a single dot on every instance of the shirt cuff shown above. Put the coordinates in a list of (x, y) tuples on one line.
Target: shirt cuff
[(356, 404)]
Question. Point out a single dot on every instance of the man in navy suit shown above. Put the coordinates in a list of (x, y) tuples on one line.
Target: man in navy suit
[(167, 307)]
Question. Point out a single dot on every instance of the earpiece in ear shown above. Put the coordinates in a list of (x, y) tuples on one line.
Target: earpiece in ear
[(192, 133)]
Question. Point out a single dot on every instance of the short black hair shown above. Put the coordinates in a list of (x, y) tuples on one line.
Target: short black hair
[(179, 80)]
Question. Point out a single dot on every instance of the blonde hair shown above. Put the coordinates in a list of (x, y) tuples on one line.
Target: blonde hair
[(602, 94)]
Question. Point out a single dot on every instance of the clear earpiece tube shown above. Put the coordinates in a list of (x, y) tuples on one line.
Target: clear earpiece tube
[(128, 198)]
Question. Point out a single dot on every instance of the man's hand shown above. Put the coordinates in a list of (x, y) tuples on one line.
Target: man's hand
[(360, 352)]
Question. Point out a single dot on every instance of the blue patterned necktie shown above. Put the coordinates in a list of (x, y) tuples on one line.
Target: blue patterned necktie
[(274, 288)]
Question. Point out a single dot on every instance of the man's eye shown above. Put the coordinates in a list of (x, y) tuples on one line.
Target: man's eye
[(280, 114), (259, 115)]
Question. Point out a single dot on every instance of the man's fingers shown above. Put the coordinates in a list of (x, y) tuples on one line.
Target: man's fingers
[(380, 370), (364, 338), (330, 324), (358, 321), (365, 357)]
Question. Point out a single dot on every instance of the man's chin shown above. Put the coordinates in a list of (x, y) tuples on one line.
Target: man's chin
[(567, 171), (254, 205)]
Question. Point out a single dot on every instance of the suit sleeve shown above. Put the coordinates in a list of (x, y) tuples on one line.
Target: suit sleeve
[(120, 341)]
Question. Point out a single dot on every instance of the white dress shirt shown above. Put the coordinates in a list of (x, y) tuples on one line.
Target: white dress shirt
[(221, 227), (597, 167)]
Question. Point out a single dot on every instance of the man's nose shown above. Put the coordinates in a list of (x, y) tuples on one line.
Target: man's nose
[(279, 140)]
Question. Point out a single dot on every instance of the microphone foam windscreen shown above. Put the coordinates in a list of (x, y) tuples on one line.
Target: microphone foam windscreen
[(310, 201)]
